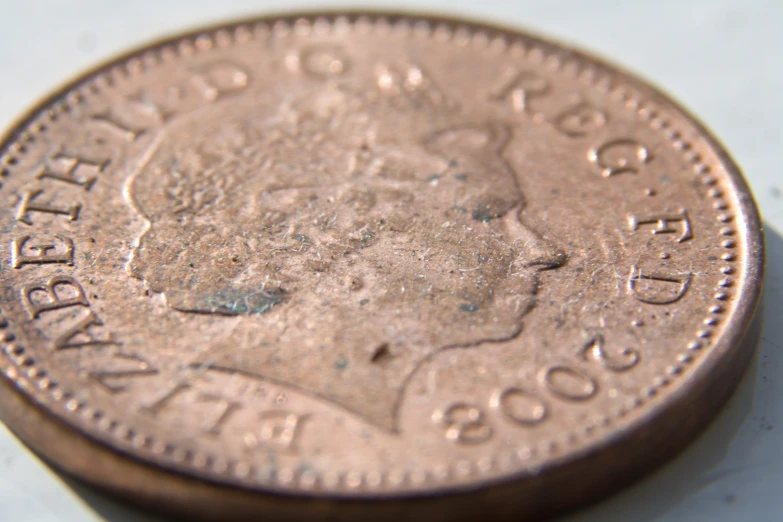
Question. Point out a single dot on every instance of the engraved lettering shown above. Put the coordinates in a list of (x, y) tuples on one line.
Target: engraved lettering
[(657, 288), (520, 89), (55, 300), (409, 80), (41, 253), (663, 224), (161, 110), (166, 398), (519, 406), (219, 79), (73, 170), (27, 204), (595, 349), (321, 62), (568, 383), (580, 120), (80, 334), (118, 126), (127, 366), (619, 157), (226, 408), (279, 428), (464, 423), (123, 123)]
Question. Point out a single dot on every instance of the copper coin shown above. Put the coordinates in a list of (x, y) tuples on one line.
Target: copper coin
[(359, 266)]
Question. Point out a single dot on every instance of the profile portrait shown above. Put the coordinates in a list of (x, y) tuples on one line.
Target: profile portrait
[(355, 232)]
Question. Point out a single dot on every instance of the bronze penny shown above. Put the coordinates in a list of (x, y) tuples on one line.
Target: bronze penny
[(367, 265)]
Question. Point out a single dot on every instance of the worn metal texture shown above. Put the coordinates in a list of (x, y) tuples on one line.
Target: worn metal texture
[(356, 264)]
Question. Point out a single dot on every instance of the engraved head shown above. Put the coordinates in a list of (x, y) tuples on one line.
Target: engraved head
[(356, 237)]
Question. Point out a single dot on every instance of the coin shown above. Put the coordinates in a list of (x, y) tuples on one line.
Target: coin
[(367, 265)]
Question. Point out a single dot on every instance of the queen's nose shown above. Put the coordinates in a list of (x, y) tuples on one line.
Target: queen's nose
[(534, 250)]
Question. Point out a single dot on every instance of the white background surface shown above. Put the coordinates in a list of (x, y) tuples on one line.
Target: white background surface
[(721, 59)]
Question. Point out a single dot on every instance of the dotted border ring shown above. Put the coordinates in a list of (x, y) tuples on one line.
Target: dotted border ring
[(36, 382)]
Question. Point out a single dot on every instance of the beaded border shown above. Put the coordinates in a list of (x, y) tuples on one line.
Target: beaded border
[(35, 381)]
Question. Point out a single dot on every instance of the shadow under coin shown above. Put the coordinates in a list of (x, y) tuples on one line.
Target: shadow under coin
[(107, 507)]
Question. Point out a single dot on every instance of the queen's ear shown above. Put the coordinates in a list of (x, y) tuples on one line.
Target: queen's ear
[(491, 136)]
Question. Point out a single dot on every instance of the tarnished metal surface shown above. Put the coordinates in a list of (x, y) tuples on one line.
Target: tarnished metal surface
[(373, 257)]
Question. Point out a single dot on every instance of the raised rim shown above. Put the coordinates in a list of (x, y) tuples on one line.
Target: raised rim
[(728, 358)]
